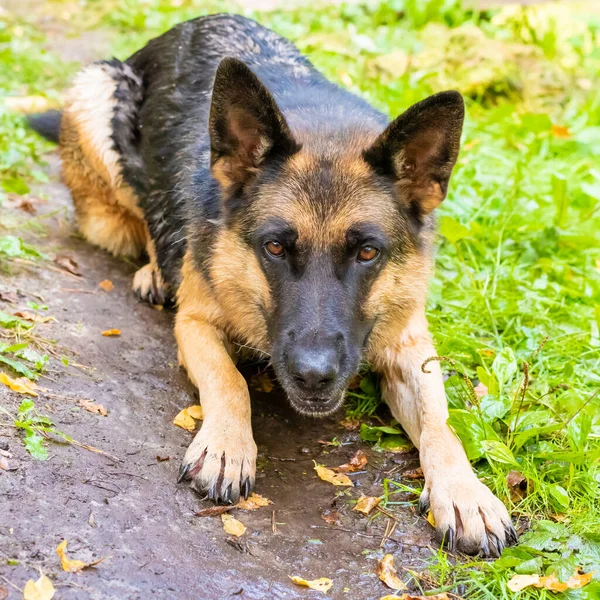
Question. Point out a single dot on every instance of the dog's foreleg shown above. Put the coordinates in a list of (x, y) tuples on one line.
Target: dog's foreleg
[(467, 515), (221, 460)]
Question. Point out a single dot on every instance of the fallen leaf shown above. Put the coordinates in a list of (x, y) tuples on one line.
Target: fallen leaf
[(186, 418), (350, 424), (72, 566), (262, 383), (111, 332), (388, 574), (93, 408), (27, 206), (213, 511), (28, 104), (357, 463), (233, 526), (431, 519), (443, 596), (27, 316), (321, 585), (413, 473), (160, 458), (68, 264), (255, 501), (365, 504), (560, 131), (8, 296), (22, 385), (107, 285), (332, 477), (551, 582), (518, 485), (3, 593), (331, 516), (42, 589), (480, 390)]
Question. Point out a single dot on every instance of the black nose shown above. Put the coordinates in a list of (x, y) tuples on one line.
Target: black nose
[(314, 370)]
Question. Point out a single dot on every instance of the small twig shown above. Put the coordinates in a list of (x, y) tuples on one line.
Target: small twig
[(11, 584), (78, 291), (273, 522)]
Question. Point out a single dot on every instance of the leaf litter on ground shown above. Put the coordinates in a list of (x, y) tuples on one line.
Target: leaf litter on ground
[(356, 463), (323, 584), (187, 417), (232, 526), (41, 589), (332, 477), (388, 573), (73, 565)]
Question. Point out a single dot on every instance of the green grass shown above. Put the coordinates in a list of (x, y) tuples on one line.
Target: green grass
[(515, 302)]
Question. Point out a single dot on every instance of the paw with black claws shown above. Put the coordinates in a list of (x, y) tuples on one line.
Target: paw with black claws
[(148, 285), (467, 516), (221, 467)]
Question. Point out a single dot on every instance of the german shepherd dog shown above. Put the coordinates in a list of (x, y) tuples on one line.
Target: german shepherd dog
[(285, 216)]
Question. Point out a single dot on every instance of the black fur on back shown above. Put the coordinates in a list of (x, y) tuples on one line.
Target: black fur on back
[(167, 159), (47, 124)]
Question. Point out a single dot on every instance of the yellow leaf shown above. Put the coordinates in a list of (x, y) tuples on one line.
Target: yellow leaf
[(332, 477), (72, 566), (255, 501), (431, 519), (388, 574), (365, 504), (21, 385), (551, 582), (321, 585), (93, 408), (186, 418), (233, 526), (106, 285), (42, 589), (110, 332)]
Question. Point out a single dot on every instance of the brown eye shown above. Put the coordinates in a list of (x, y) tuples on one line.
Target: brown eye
[(274, 249), (367, 254)]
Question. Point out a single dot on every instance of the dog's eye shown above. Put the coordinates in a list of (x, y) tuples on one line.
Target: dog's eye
[(274, 249), (367, 254)]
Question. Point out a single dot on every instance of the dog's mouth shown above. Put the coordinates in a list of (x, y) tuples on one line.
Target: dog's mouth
[(316, 406)]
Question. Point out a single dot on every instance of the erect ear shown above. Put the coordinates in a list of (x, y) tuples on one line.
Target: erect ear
[(246, 126), (419, 149)]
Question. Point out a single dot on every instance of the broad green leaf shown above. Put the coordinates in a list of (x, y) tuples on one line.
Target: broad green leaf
[(494, 407), (19, 367), (452, 230), (15, 185), (560, 496), (498, 452), (34, 445), (472, 431), (504, 367), (10, 321), (26, 406)]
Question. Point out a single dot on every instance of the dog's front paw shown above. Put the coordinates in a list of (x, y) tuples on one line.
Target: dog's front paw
[(467, 516), (220, 464), (148, 285)]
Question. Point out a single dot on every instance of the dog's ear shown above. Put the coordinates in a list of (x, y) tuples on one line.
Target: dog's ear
[(419, 149), (246, 126)]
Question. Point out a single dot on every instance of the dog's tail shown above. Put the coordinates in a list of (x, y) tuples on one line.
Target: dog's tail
[(47, 124)]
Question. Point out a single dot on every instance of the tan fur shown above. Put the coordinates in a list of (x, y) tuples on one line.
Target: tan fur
[(417, 400), (107, 211), (204, 350)]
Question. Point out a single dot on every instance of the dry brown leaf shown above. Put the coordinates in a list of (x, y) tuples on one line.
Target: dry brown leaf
[(29, 104), (366, 504), (27, 316), (69, 565), (357, 463), (480, 390), (42, 589), (186, 418), (111, 332), (160, 458), (93, 408), (350, 424), (22, 385), (413, 473), (332, 477), (321, 585), (106, 285), (3, 593), (551, 582), (443, 596), (262, 383), (388, 574), (255, 501), (233, 526), (213, 511), (331, 516), (518, 485), (68, 264)]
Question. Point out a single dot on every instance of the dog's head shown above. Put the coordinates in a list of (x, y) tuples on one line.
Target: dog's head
[(327, 229)]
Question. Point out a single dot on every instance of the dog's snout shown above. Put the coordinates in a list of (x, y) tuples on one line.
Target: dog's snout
[(314, 370)]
